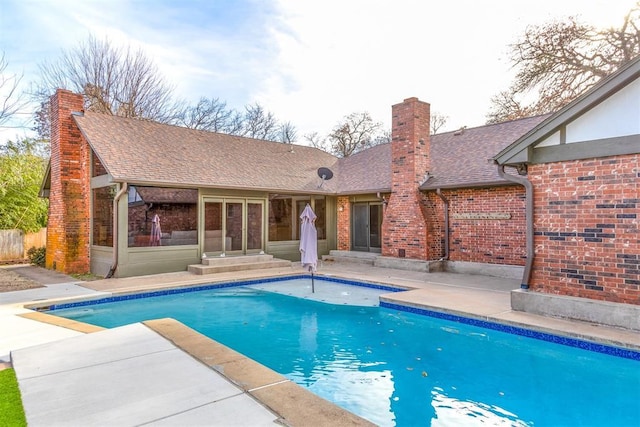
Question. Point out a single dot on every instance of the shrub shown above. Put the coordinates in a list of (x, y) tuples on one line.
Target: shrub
[(37, 256)]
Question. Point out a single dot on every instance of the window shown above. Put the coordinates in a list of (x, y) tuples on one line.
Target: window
[(319, 207), (159, 216), (103, 215), (97, 169), (284, 216), (280, 218)]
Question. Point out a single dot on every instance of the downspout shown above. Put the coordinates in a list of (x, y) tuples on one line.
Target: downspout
[(526, 277), (446, 224), (116, 199)]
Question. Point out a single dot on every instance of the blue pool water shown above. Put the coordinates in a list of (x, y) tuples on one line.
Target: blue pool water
[(400, 368)]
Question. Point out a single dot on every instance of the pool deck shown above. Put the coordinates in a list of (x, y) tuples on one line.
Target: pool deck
[(161, 372)]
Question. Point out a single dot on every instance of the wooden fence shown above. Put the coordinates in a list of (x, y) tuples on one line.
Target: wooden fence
[(14, 244)]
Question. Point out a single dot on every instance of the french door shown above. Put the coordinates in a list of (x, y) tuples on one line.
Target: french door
[(233, 226), (367, 227)]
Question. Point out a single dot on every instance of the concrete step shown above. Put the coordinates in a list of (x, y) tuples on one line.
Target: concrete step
[(408, 264), (367, 258), (240, 266), (232, 260)]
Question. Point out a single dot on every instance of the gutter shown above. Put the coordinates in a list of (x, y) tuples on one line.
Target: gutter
[(526, 277), (446, 224), (116, 199)]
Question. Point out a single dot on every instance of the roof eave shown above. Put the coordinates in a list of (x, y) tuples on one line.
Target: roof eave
[(603, 89), (435, 186), (170, 184), (364, 191)]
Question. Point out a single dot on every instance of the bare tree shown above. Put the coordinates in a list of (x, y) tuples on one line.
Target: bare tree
[(383, 137), (560, 60), (208, 114), (212, 114), (315, 140), (356, 132), (288, 133), (10, 100), (113, 80), (259, 123), (437, 120)]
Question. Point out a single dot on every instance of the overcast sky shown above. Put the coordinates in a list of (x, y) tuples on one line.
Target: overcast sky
[(308, 62)]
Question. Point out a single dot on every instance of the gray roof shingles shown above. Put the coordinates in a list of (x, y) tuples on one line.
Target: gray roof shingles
[(463, 160), (367, 171), (145, 152)]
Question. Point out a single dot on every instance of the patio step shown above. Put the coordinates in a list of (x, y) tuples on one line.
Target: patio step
[(237, 263), (232, 260), (367, 258)]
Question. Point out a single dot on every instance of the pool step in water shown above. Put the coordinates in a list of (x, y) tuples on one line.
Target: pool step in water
[(237, 263)]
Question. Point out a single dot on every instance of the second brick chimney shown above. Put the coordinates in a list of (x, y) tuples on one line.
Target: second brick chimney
[(69, 197), (404, 227)]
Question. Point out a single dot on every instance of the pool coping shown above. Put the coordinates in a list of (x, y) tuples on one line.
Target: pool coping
[(393, 298), (292, 403)]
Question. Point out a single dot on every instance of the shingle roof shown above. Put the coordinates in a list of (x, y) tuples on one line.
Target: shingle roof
[(368, 171), (145, 152), (148, 153), (463, 160)]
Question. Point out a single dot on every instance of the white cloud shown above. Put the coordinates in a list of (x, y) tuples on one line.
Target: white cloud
[(310, 63), (337, 57)]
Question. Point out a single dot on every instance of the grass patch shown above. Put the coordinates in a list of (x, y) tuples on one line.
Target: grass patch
[(86, 277), (10, 400)]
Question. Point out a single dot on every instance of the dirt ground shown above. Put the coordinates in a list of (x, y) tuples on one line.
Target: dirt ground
[(10, 281)]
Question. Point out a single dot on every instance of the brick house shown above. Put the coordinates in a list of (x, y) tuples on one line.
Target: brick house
[(435, 200), (583, 164), (422, 201), (219, 194)]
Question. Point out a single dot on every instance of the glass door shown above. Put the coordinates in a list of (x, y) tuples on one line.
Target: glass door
[(233, 226), (234, 217), (360, 227), (367, 227), (214, 243), (255, 226)]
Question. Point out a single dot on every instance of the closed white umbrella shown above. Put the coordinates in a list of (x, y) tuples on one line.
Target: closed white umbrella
[(309, 241), (156, 232)]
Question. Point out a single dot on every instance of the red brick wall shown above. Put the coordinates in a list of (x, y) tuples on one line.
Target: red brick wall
[(489, 241), (587, 237), (434, 214), (404, 228), (344, 224), (69, 200)]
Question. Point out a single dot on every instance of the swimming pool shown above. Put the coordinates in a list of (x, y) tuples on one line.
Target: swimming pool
[(396, 367)]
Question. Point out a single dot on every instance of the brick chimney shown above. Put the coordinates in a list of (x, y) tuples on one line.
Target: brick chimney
[(404, 227), (69, 197)]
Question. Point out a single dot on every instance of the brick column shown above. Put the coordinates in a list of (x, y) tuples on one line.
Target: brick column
[(404, 227), (69, 198), (344, 224)]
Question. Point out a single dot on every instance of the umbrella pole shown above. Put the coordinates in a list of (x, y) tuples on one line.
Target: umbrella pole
[(313, 290)]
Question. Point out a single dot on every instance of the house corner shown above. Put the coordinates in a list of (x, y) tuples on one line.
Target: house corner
[(69, 198)]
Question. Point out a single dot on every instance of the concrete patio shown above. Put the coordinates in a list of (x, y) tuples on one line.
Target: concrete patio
[(162, 373)]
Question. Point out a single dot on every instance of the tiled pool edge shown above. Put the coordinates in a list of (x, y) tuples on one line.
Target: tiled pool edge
[(115, 297), (502, 326), (589, 343)]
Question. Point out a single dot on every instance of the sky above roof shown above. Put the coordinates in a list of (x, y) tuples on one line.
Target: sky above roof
[(309, 62)]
